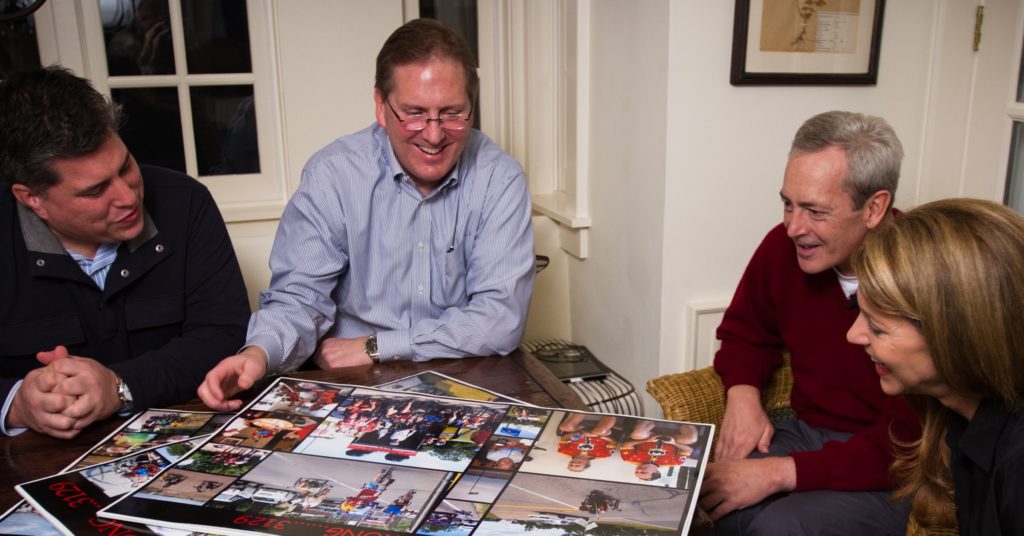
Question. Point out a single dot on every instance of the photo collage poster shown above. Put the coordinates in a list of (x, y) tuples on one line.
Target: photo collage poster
[(155, 427), (317, 458)]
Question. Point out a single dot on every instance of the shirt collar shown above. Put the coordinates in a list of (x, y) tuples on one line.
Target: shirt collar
[(847, 282), (40, 239), (978, 438)]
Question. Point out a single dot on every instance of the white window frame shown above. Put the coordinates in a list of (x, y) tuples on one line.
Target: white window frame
[(71, 33), (534, 99)]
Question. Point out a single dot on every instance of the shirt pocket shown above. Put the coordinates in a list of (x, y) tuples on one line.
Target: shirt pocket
[(40, 335), (449, 288), (155, 312)]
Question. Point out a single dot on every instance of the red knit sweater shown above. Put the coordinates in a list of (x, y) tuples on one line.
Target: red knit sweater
[(835, 386)]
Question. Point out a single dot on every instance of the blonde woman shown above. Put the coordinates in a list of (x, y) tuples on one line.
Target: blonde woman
[(942, 316)]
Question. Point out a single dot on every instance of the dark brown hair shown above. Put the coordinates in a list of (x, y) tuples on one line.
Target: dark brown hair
[(49, 113), (419, 40)]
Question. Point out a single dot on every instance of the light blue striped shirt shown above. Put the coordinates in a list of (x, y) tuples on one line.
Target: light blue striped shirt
[(360, 250), (98, 266)]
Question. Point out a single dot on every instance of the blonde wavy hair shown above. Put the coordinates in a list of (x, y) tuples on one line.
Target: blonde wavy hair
[(955, 268)]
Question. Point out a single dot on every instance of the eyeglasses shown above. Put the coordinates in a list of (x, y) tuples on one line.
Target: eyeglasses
[(417, 121)]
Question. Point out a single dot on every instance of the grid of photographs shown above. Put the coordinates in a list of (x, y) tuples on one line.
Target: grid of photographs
[(326, 459), (149, 429), (166, 425)]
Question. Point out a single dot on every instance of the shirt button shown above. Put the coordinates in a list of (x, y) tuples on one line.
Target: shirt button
[(125, 273), (420, 245), (159, 248), (420, 288), (40, 263)]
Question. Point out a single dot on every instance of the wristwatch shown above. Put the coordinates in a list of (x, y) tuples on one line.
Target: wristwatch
[(371, 348), (124, 394)]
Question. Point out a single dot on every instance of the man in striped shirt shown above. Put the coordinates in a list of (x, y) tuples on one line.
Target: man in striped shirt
[(408, 240)]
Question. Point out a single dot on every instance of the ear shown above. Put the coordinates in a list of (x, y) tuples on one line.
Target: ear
[(380, 107), (29, 198), (877, 207)]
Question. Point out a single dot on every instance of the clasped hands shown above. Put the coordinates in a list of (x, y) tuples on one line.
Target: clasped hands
[(65, 395), (734, 481)]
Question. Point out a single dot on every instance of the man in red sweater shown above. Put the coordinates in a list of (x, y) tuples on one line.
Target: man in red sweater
[(827, 470)]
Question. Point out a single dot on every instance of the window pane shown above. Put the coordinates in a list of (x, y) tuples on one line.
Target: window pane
[(138, 37), (19, 50), (216, 36), (1020, 79), (225, 125), (461, 15), (152, 125), (1015, 174)]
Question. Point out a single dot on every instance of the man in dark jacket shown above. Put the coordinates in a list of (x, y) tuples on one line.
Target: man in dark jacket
[(116, 297)]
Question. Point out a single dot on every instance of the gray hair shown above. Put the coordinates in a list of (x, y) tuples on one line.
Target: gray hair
[(873, 152)]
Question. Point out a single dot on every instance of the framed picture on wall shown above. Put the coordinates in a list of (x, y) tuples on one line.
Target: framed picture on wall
[(808, 42)]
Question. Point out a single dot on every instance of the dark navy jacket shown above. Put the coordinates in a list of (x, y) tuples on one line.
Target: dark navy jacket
[(174, 303)]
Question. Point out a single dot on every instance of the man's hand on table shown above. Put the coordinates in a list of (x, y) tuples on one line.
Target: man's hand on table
[(231, 376), (735, 484), (337, 353), (745, 425)]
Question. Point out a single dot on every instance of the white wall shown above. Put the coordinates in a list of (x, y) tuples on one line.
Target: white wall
[(548, 317), (616, 292)]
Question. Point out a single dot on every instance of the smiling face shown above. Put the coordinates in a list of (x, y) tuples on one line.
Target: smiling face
[(818, 213), (432, 87), (578, 463), (647, 471), (98, 199), (899, 352)]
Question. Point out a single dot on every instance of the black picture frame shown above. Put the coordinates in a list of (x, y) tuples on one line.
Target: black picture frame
[(742, 73)]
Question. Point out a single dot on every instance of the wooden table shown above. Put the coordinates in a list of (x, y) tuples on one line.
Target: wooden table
[(30, 456)]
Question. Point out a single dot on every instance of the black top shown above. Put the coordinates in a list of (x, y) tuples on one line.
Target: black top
[(987, 459), (173, 305)]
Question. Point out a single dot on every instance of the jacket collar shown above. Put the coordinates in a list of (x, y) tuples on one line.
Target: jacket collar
[(40, 239)]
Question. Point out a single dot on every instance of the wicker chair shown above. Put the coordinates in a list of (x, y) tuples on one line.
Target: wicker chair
[(698, 396)]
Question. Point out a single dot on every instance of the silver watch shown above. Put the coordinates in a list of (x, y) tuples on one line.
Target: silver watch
[(371, 348), (124, 394)]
